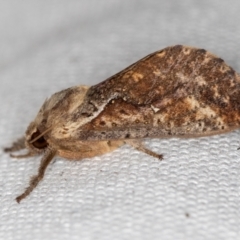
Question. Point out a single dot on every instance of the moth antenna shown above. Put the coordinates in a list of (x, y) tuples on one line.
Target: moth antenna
[(44, 132), (48, 156)]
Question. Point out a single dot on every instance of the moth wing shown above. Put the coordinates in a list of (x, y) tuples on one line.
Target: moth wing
[(179, 91)]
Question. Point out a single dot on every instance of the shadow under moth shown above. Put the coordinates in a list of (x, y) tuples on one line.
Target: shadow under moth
[(175, 92)]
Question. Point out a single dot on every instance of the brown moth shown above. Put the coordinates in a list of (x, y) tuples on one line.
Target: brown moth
[(178, 91)]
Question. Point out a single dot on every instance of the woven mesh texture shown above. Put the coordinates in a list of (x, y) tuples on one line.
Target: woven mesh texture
[(46, 46)]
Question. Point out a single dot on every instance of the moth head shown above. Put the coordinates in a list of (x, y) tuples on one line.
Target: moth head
[(36, 140), (53, 114), (35, 136)]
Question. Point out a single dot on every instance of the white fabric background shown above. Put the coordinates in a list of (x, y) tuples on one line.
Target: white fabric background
[(46, 46)]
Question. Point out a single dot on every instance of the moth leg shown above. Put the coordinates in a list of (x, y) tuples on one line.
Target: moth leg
[(28, 154), (16, 146), (48, 156), (140, 147)]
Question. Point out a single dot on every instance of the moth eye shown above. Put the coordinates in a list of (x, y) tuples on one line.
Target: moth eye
[(40, 143)]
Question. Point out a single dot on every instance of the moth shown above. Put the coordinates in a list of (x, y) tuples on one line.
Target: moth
[(175, 92)]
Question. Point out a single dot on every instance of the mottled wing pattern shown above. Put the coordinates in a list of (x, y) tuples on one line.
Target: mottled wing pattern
[(179, 91)]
